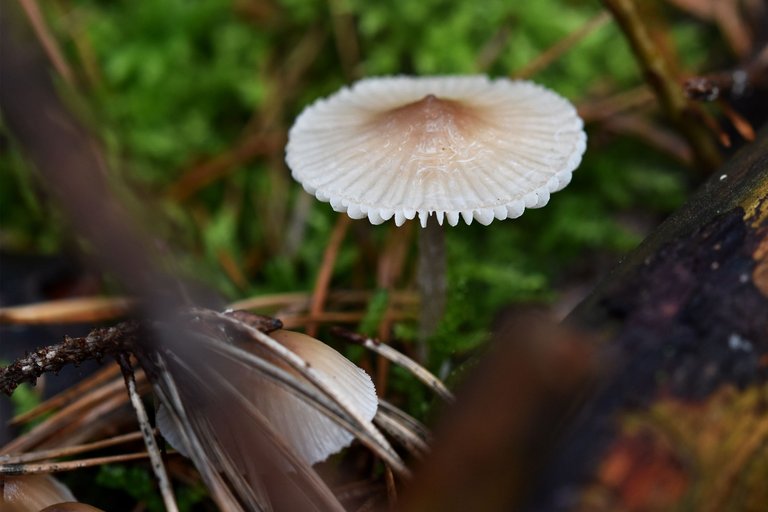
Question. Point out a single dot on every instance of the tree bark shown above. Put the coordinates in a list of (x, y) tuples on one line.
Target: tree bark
[(651, 396)]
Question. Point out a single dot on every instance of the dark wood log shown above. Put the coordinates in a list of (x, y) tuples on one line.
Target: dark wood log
[(655, 394), (685, 321)]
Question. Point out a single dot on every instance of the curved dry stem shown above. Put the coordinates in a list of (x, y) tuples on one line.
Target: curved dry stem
[(384, 350)]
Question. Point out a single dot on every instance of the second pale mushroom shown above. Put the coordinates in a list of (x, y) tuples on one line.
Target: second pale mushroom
[(440, 148)]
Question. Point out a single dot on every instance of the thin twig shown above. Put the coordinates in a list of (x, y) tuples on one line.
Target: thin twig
[(48, 42), (204, 173), (418, 371), (738, 121), (554, 52), (75, 423), (601, 109), (263, 323), (406, 420), (68, 451), (155, 456), (732, 85), (323, 280), (57, 467), (388, 272), (731, 16), (345, 36), (68, 395), (659, 137), (401, 433), (232, 268), (106, 396), (493, 47)]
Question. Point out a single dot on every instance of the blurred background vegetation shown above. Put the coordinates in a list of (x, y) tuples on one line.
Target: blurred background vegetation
[(192, 101)]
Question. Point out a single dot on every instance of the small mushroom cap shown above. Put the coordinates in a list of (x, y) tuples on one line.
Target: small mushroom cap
[(452, 146), (308, 431), (311, 433)]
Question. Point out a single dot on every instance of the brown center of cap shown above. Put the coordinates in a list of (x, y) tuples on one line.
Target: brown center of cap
[(430, 115)]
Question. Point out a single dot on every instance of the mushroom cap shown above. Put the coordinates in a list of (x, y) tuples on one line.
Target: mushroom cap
[(309, 432), (452, 146)]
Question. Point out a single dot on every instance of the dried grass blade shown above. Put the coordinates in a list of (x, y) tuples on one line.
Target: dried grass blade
[(63, 417), (68, 451), (406, 420), (411, 442), (418, 371), (68, 311), (551, 54), (57, 467), (69, 395), (323, 280), (164, 483)]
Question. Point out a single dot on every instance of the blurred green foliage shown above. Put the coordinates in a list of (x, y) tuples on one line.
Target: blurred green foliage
[(168, 85), (25, 398)]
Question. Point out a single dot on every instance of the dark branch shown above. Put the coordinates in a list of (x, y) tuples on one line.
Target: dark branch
[(123, 337), (730, 84), (99, 343)]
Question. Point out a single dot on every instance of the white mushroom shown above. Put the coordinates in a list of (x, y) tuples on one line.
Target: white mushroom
[(311, 434), (451, 147), (465, 147), (314, 436)]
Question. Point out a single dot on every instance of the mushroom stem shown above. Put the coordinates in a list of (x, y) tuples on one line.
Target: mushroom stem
[(431, 280)]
